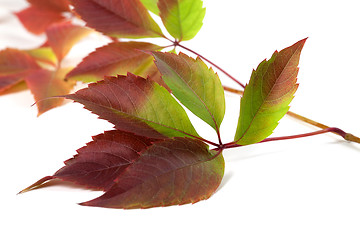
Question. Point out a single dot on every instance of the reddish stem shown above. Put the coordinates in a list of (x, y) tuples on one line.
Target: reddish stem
[(212, 63)]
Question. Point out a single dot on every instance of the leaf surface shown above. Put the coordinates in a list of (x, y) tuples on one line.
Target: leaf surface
[(52, 5), (267, 97), (121, 18), (151, 5), (44, 84), (118, 58), (37, 20), (101, 161), (195, 85), (136, 105), (63, 36), (172, 172), (14, 66), (43, 55), (182, 18)]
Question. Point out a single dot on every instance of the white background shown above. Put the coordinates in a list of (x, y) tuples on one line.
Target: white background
[(297, 189)]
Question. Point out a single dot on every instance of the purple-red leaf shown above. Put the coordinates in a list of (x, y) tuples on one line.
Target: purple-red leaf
[(121, 18), (63, 36), (37, 20), (136, 105), (118, 58), (14, 66), (172, 172), (52, 5), (101, 161), (45, 83)]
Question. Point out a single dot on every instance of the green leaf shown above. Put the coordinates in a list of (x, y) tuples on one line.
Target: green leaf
[(182, 18), (194, 84), (267, 97), (151, 5), (137, 105)]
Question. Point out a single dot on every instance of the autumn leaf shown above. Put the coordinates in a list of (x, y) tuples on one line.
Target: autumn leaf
[(267, 97), (44, 84), (63, 36), (138, 105), (182, 18), (43, 55), (120, 19), (101, 161), (195, 85), (52, 5), (37, 20), (151, 5), (14, 66), (171, 172), (118, 58)]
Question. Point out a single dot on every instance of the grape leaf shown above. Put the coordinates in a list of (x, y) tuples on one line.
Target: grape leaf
[(52, 5), (120, 19), (14, 66), (101, 161), (151, 5), (195, 85), (267, 97), (135, 104), (37, 20), (44, 84), (63, 36), (171, 172), (182, 18), (117, 58)]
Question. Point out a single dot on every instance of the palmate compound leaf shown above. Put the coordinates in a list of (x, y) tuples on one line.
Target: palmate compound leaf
[(182, 18), (101, 161), (118, 58), (195, 85), (121, 18), (267, 97), (138, 105), (171, 172)]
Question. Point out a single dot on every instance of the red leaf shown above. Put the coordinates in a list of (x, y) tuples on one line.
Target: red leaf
[(14, 66), (118, 58), (52, 5), (100, 162), (45, 84), (36, 20), (121, 18), (63, 36), (172, 172)]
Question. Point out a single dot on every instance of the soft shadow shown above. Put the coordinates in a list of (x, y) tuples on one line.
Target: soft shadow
[(225, 180), (351, 145)]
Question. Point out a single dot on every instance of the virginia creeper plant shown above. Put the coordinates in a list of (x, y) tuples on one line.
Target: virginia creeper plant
[(154, 155)]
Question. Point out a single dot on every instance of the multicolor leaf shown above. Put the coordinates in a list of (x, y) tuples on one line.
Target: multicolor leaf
[(267, 97), (195, 85), (182, 18), (101, 161), (151, 5), (121, 18), (137, 105), (37, 20), (45, 84), (63, 36), (118, 58), (171, 172), (43, 55), (14, 66)]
